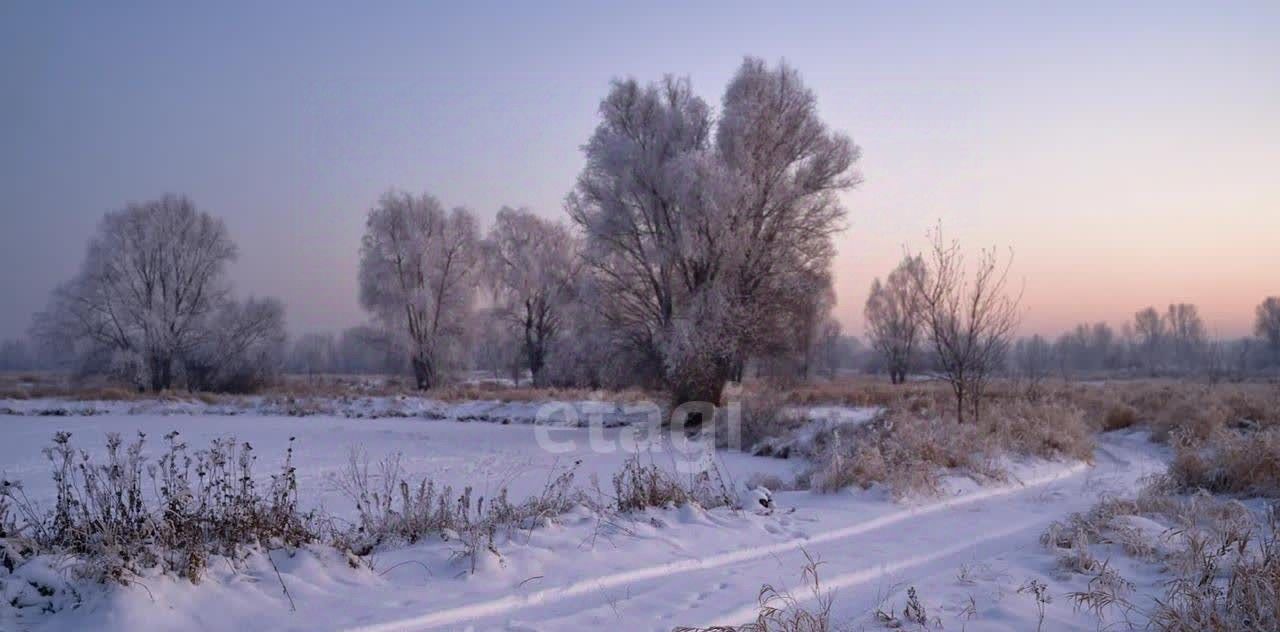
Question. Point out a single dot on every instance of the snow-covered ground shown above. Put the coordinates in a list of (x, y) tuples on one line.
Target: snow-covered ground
[(965, 555), (572, 413), (519, 457)]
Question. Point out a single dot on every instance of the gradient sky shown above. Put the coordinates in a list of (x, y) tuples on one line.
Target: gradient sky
[(1129, 155)]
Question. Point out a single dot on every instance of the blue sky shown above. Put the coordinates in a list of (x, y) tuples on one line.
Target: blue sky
[(1127, 155)]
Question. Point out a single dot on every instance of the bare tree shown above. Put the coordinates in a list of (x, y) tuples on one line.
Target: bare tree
[(893, 317), (313, 353), (1152, 337), (825, 352), (152, 277), (969, 321), (695, 245), (1086, 348), (1267, 325), (417, 265), (1032, 360), (1187, 334), (531, 263)]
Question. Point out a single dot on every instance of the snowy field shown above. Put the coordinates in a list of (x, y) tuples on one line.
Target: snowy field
[(965, 555), (486, 456)]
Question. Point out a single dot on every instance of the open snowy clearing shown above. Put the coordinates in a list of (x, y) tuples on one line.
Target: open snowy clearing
[(655, 571)]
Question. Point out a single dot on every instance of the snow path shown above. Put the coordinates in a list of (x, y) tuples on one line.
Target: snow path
[(715, 563), (865, 561)]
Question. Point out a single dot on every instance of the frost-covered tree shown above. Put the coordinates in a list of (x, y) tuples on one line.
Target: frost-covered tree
[(825, 352), (1032, 358), (15, 355), (152, 277), (1187, 334), (313, 353), (894, 319), (241, 348), (417, 278), (1267, 325), (1151, 337), (695, 240), (530, 264), (969, 319), (1087, 348), (368, 350), (496, 349)]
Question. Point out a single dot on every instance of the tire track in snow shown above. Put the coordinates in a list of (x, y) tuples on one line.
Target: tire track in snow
[(802, 593), (554, 594)]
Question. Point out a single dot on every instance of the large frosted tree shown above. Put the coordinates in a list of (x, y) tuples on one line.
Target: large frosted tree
[(417, 277), (697, 231), (529, 263), (151, 280)]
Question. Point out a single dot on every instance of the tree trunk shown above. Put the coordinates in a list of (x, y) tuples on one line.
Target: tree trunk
[(161, 370), (423, 373), (537, 362), (708, 391)]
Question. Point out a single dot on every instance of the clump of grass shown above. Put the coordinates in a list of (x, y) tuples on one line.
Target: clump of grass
[(638, 486), (1231, 462), (1225, 559), (915, 444), (1119, 417), (204, 503), (1248, 598), (393, 509)]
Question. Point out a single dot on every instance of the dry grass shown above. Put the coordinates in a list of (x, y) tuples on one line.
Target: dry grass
[(916, 443), (122, 515), (1225, 560), (638, 486), (1162, 404), (1231, 462)]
